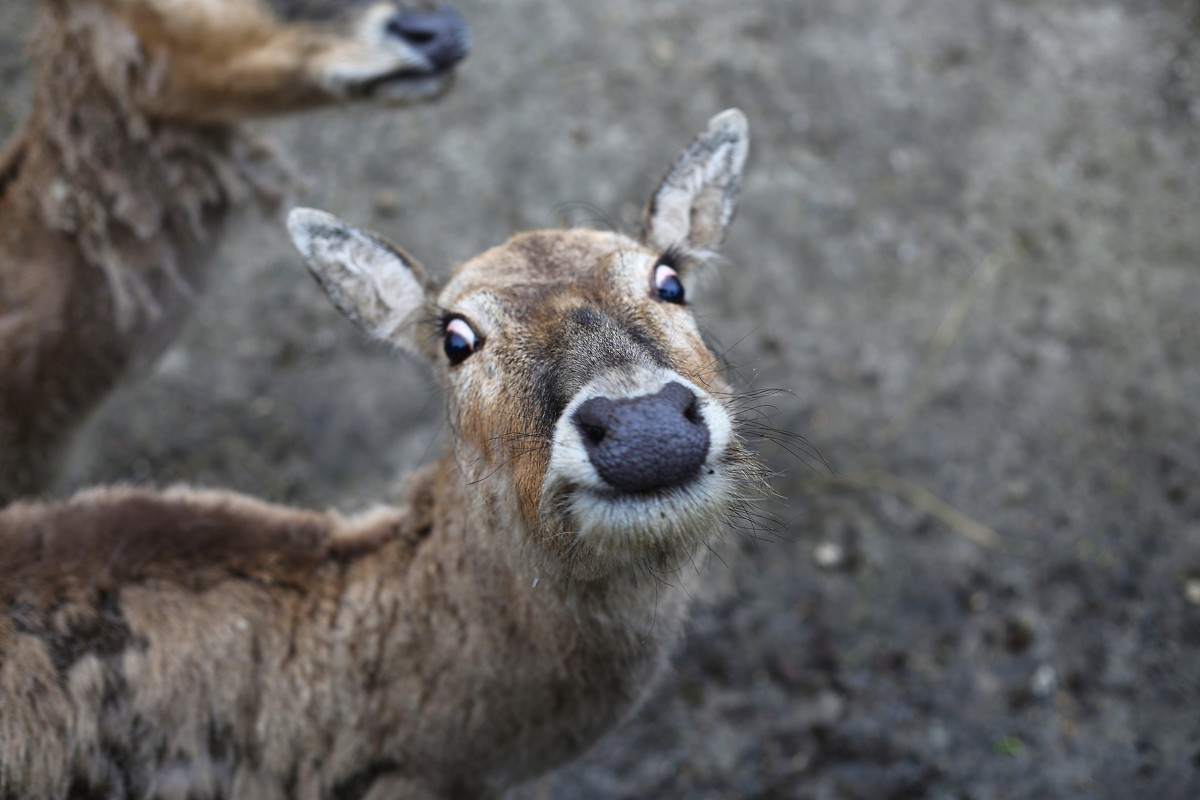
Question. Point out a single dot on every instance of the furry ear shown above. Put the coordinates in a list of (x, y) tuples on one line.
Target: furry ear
[(379, 287), (695, 201)]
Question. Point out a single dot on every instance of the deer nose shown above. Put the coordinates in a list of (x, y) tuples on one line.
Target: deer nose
[(641, 443), (440, 35)]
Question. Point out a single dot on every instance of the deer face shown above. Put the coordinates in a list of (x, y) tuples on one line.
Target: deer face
[(388, 49), (223, 60), (586, 407)]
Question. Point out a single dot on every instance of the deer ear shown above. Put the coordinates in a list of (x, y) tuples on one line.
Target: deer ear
[(379, 287), (695, 201)]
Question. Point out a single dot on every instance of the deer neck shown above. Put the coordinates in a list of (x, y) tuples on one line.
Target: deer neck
[(480, 517), (466, 607), (143, 201), (627, 620)]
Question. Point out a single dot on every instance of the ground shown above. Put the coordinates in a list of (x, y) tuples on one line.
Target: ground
[(969, 256)]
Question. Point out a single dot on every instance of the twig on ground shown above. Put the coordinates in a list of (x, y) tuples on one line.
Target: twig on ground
[(943, 337), (915, 496)]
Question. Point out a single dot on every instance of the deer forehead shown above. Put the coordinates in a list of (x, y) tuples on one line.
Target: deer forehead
[(544, 274), (558, 310)]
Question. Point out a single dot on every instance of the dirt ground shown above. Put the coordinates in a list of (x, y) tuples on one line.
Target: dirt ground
[(969, 256)]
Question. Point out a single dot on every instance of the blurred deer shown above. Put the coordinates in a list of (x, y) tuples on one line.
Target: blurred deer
[(114, 195), (516, 606)]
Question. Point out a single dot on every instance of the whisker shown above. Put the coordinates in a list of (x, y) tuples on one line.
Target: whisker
[(503, 464), (714, 554)]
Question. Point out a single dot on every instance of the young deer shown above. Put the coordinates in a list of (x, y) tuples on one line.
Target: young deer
[(114, 196), (516, 607)]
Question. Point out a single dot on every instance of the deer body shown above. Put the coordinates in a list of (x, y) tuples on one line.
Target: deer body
[(326, 654), (516, 606), (115, 194)]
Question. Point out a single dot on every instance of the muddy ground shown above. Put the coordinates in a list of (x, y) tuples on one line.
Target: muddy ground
[(969, 255)]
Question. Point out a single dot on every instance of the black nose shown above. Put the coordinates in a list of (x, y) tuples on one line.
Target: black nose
[(647, 442), (441, 36)]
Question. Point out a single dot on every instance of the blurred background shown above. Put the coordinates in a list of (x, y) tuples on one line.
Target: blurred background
[(968, 256)]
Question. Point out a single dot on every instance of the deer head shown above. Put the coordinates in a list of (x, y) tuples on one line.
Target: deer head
[(589, 415)]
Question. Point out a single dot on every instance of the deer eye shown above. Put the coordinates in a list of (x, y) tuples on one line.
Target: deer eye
[(667, 286), (460, 340)]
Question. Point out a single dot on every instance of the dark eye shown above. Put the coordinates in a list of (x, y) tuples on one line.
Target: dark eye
[(460, 342), (667, 285)]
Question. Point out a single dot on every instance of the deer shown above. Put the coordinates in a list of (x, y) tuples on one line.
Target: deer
[(115, 193), (517, 603)]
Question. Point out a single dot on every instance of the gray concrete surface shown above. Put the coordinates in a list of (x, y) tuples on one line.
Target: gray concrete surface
[(969, 255)]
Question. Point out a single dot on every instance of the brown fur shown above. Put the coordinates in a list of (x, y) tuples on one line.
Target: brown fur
[(115, 194), (203, 644), (264, 647)]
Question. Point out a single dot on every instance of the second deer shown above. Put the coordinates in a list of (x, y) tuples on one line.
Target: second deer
[(115, 194), (517, 606)]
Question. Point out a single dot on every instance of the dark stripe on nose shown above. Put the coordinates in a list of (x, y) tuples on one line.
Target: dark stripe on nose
[(586, 344)]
